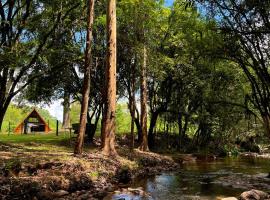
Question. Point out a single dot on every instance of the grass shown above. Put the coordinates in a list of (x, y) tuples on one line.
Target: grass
[(43, 142), (40, 142), (38, 137), (36, 148)]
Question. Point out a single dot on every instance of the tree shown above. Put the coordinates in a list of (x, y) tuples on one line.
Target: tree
[(23, 37), (108, 132), (128, 61), (87, 79), (66, 110), (144, 144), (245, 27)]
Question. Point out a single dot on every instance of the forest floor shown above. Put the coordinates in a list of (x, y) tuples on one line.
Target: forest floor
[(44, 167)]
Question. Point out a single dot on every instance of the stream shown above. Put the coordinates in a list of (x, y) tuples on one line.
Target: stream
[(204, 180)]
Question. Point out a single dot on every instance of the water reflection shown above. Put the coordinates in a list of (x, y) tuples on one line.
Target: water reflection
[(205, 180)]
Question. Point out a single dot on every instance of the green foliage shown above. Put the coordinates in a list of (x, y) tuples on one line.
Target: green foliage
[(231, 149), (123, 119), (75, 113)]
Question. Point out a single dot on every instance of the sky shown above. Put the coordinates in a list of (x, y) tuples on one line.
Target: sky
[(56, 108), (169, 2)]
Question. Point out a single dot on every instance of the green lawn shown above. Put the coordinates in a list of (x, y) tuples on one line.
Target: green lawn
[(38, 137), (40, 142)]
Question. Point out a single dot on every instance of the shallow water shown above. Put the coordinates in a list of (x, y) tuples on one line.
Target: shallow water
[(204, 180)]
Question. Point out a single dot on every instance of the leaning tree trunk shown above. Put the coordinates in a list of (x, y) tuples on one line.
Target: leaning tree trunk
[(87, 79), (151, 138), (144, 144), (139, 129), (266, 124), (110, 102), (66, 111), (4, 103), (2, 115), (136, 118)]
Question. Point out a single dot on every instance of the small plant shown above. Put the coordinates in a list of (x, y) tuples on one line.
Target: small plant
[(94, 175)]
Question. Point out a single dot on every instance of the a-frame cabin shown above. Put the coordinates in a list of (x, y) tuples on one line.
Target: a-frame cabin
[(32, 123)]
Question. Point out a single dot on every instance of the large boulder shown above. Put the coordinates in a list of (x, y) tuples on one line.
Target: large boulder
[(254, 195)]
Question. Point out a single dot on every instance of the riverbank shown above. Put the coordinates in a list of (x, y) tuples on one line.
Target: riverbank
[(44, 167), (33, 170)]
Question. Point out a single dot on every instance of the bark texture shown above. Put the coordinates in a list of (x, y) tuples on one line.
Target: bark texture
[(132, 102), (144, 144), (66, 111), (108, 130), (87, 79)]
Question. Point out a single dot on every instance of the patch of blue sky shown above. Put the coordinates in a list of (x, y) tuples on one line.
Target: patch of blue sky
[(169, 2)]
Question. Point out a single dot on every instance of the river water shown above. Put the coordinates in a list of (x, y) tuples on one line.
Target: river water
[(204, 180)]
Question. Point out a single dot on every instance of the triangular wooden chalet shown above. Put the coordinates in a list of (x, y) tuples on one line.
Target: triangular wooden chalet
[(32, 123)]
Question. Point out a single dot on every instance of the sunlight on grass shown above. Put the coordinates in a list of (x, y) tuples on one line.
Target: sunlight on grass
[(43, 138), (41, 142)]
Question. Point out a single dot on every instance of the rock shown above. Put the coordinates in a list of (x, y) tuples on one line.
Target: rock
[(202, 157), (85, 196), (253, 195), (100, 195), (110, 189), (80, 182), (123, 175), (60, 193), (229, 198), (136, 191), (45, 195)]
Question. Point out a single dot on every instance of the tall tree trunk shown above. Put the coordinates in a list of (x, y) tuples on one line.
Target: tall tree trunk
[(66, 110), (151, 138), (132, 108), (180, 129), (110, 103), (103, 135), (144, 144), (87, 79)]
